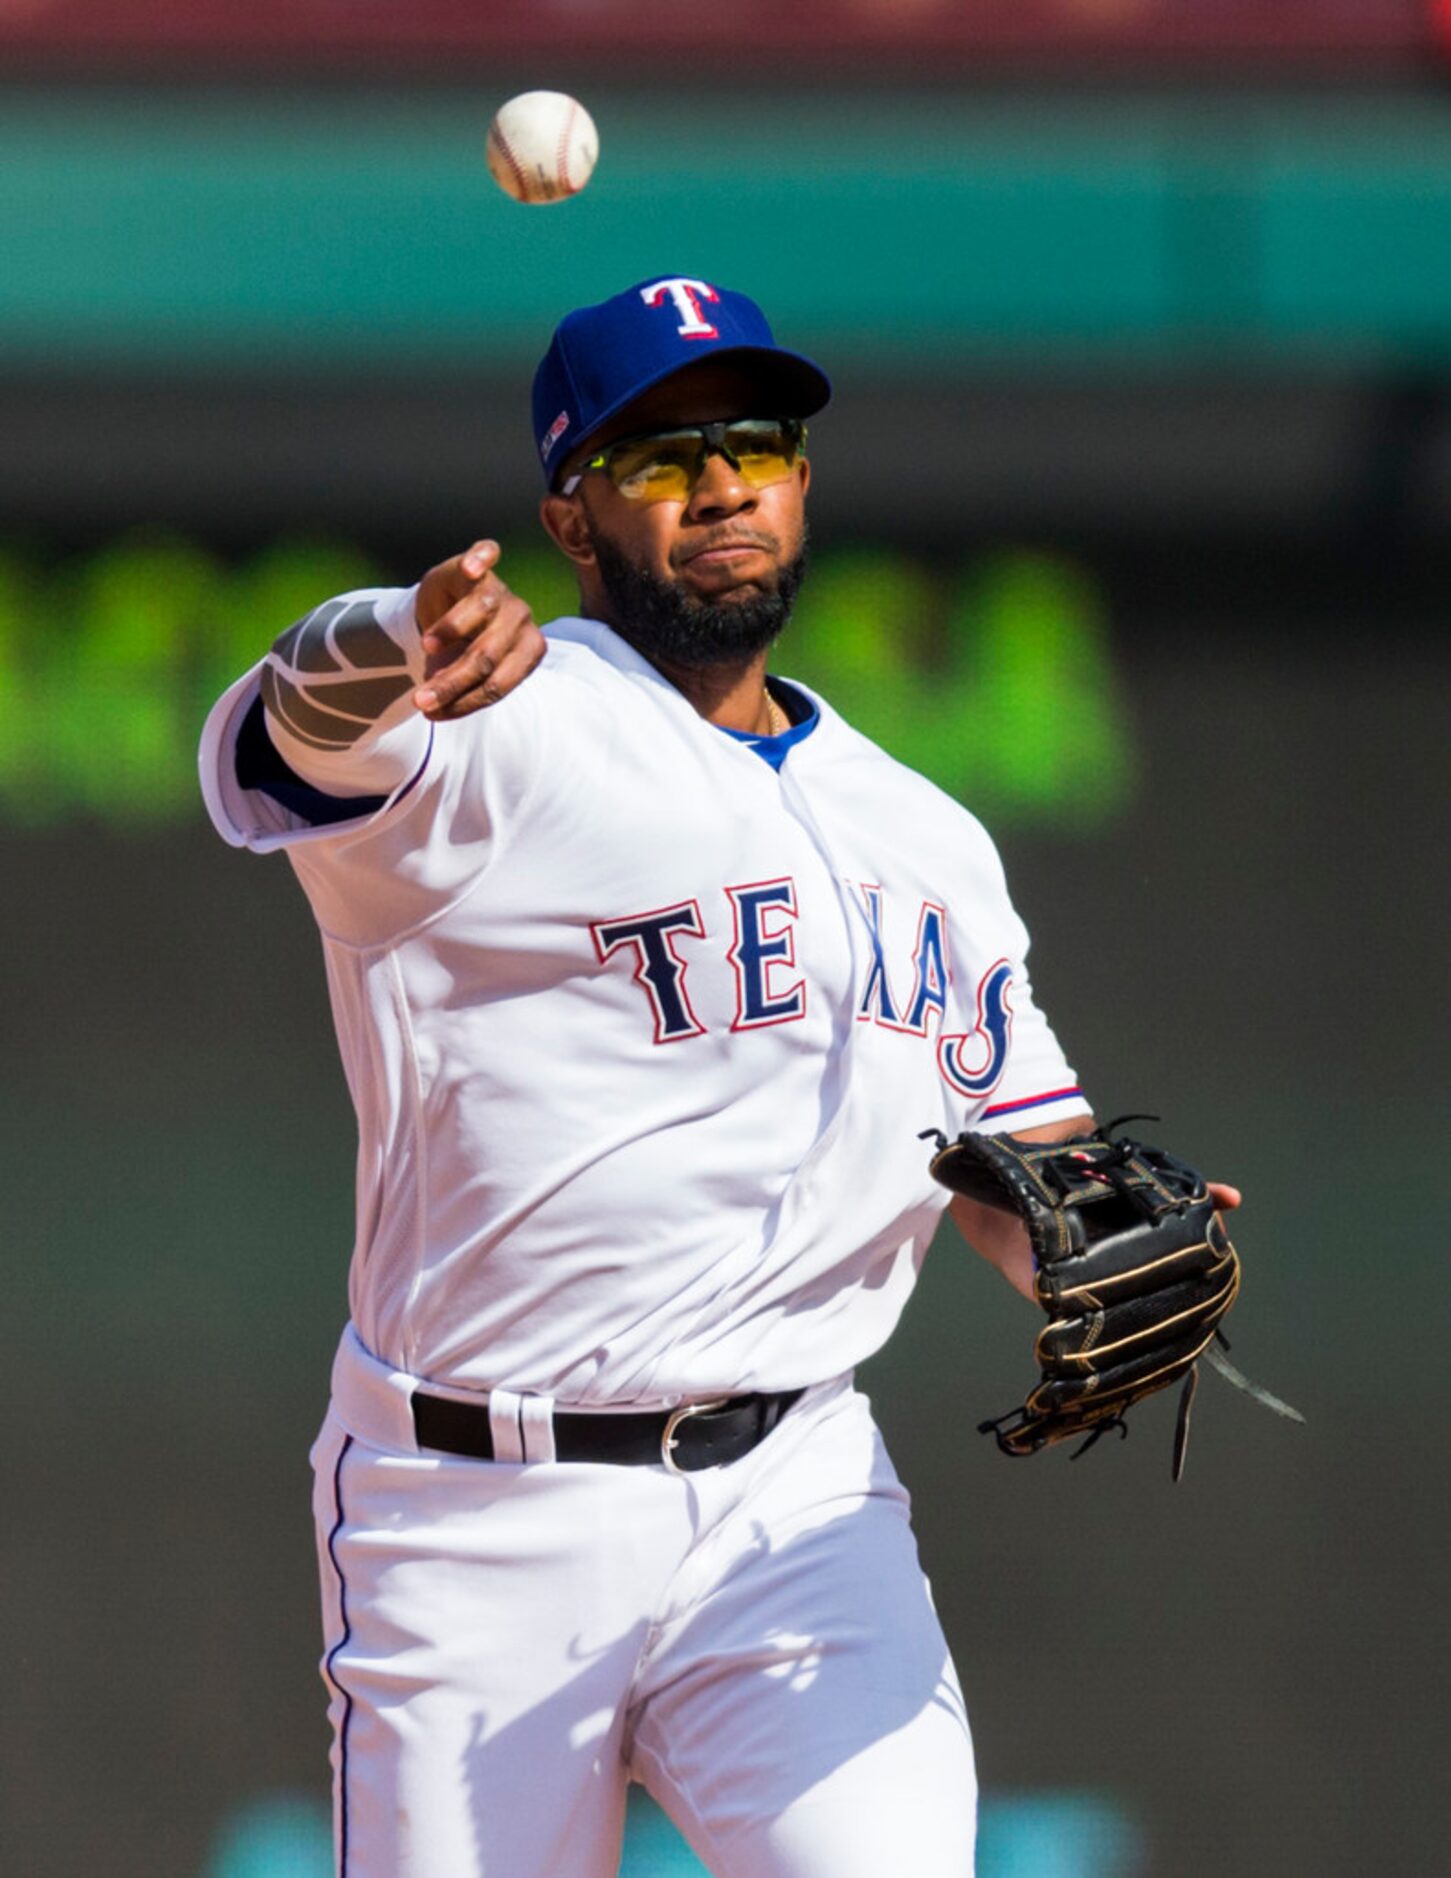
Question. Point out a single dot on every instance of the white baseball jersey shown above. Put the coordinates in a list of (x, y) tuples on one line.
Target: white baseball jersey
[(641, 1029)]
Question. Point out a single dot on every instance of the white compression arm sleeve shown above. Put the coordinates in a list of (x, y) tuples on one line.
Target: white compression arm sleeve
[(337, 689)]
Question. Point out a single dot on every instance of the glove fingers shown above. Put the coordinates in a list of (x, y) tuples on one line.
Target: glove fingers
[(1098, 1339), (1023, 1432), (1154, 1254), (1057, 1412), (1123, 1383)]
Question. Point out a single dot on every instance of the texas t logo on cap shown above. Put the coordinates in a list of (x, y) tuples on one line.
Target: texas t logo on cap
[(686, 296), (602, 358)]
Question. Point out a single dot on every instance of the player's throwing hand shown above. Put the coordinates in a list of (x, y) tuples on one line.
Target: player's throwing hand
[(480, 639)]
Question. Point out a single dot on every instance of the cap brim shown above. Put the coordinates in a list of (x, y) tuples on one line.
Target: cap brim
[(787, 383)]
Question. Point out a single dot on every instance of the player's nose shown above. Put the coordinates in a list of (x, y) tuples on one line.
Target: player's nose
[(720, 489)]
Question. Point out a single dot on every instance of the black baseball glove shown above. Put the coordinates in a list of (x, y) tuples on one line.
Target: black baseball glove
[(1134, 1268)]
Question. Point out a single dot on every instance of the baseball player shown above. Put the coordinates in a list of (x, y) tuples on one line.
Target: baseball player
[(647, 971)]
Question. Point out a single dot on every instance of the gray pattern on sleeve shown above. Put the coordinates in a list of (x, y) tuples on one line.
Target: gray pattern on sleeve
[(321, 679)]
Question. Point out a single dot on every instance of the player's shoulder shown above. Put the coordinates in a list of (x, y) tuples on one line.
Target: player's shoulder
[(586, 657), (596, 681), (574, 646), (585, 649), (861, 764), (574, 687)]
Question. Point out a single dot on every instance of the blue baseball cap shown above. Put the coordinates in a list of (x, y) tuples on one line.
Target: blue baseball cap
[(603, 357)]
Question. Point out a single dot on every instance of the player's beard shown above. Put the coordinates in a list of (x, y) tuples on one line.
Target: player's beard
[(665, 623)]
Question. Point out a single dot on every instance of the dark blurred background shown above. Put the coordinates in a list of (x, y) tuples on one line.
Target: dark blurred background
[(1131, 523)]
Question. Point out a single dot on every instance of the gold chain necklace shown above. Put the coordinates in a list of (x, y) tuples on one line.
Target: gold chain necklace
[(776, 718)]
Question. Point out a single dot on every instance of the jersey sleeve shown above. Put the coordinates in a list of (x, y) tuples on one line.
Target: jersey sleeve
[(396, 835), (281, 767), (1037, 1086), (337, 695)]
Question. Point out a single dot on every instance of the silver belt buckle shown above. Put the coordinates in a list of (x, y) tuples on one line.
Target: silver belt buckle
[(668, 1442)]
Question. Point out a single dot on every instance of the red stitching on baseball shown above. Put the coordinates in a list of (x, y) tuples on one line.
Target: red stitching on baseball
[(508, 155), (562, 160)]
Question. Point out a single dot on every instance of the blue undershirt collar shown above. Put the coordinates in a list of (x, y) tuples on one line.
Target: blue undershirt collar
[(804, 719)]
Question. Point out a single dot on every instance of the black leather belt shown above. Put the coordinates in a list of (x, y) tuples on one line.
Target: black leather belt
[(701, 1434)]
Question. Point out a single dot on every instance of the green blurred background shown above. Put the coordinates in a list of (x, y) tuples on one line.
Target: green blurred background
[(1131, 521)]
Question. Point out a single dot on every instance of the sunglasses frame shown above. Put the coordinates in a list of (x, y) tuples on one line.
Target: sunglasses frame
[(712, 435)]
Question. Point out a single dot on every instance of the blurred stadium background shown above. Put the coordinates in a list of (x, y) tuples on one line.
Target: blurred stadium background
[(1131, 528)]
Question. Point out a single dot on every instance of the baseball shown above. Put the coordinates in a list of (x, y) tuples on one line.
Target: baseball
[(542, 146)]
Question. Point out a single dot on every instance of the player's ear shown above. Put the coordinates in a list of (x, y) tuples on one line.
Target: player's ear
[(567, 527)]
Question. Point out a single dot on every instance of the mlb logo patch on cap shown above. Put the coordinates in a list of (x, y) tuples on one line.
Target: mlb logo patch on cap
[(552, 436), (604, 357)]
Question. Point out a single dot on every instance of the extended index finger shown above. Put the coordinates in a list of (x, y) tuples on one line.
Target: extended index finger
[(476, 561), (442, 587), (468, 615)]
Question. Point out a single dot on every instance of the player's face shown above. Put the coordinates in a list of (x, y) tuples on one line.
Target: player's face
[(726, 538), (723, 562)]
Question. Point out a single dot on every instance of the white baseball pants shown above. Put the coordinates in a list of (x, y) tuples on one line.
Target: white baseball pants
[(508, 1644)]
